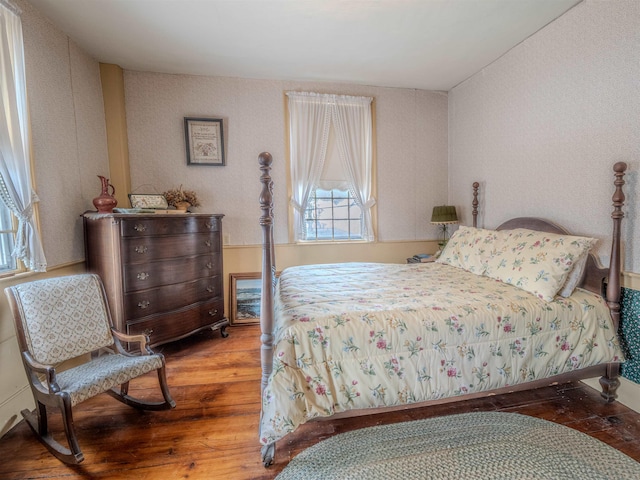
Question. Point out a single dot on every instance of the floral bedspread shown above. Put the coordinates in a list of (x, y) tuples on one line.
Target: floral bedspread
[(359, 335)]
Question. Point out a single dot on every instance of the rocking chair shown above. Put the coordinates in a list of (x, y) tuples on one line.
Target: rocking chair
[(63, 318)]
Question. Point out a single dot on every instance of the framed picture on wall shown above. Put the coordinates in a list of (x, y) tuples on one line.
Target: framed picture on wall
[(204, 139)]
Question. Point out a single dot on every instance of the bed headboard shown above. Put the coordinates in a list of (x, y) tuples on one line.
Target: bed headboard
[(596, 278)]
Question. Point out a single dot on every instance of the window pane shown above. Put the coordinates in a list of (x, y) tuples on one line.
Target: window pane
[(7, 262), (324, 210), (356, 229), (355, 210), (341, 230), (340, 194)]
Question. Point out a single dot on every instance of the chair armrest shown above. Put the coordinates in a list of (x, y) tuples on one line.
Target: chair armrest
[(143, 340), (48, 371)]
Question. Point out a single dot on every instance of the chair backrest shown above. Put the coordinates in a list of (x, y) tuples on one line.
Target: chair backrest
[(61, 318)]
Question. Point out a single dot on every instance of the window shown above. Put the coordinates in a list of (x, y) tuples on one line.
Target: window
[(330, 140), (332, 215)]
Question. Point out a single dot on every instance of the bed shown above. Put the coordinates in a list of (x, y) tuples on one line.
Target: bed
[(519, 307)]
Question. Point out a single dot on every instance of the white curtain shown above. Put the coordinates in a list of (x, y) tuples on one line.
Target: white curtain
[(311, 115), (16, 191), (309, 118), (353, 126)]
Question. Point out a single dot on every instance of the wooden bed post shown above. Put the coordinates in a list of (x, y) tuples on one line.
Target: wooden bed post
[(266, 300), (474, 212), (268, 285), (609, 382)]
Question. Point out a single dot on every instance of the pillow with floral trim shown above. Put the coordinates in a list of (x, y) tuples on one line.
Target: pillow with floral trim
[(469, 248), (538, 262)]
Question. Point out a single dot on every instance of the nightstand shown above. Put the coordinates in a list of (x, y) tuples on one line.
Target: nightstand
[(422, 258)]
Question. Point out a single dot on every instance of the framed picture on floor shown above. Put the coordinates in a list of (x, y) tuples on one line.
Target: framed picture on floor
[(245, 292)]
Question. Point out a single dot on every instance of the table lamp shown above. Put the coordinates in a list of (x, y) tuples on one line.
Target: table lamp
[(444, 216)]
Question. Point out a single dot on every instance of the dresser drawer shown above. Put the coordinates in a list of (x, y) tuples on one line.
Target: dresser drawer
[(147, 249), (162, 299), (149, 226), (170, 272), (179, 324)]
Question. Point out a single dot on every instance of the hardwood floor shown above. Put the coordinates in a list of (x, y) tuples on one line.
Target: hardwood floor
[(212, 433)]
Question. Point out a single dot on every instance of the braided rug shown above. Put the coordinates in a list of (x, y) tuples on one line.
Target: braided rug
[(480, 445)]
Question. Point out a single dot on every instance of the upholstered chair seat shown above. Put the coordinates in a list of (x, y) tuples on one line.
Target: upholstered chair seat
[(103, 373)]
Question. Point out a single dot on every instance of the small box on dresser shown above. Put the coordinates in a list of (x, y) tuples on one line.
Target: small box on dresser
[(162, 273)]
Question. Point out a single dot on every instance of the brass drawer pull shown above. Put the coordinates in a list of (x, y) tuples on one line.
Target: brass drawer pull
[(141, 249), (209, 225), (210, 289), (143, 276), (148, 331), (213, 313), (209, 265), (140, 227), (208, 243), (144, 304)]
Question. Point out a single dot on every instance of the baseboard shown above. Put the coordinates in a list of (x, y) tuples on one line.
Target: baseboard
[(11, 408), (628, 392)]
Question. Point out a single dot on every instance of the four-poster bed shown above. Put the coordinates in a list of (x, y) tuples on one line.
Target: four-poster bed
[(358, 338)]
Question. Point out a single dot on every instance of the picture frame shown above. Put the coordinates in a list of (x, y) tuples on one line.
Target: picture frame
[(204, 140), (245, 292), (148, 200)]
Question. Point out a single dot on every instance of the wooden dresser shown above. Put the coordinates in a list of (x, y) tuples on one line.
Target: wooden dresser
[(162, 272)]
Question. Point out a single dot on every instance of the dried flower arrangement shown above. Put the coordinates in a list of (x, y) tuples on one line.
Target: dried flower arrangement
[(177, 196)]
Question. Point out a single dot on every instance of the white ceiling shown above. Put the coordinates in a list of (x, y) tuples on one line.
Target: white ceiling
[(426, 44)]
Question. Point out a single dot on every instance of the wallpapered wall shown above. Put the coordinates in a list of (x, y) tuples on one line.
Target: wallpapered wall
[(68, 133), (542, 127), (411, 147)]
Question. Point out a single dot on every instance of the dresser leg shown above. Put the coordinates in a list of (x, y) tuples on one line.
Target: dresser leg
[(222, 326)]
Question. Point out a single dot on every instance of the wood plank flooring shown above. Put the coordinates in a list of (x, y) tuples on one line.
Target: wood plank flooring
[(212, 433)]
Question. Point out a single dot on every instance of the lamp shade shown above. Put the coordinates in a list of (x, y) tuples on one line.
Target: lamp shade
[(444, 214)]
